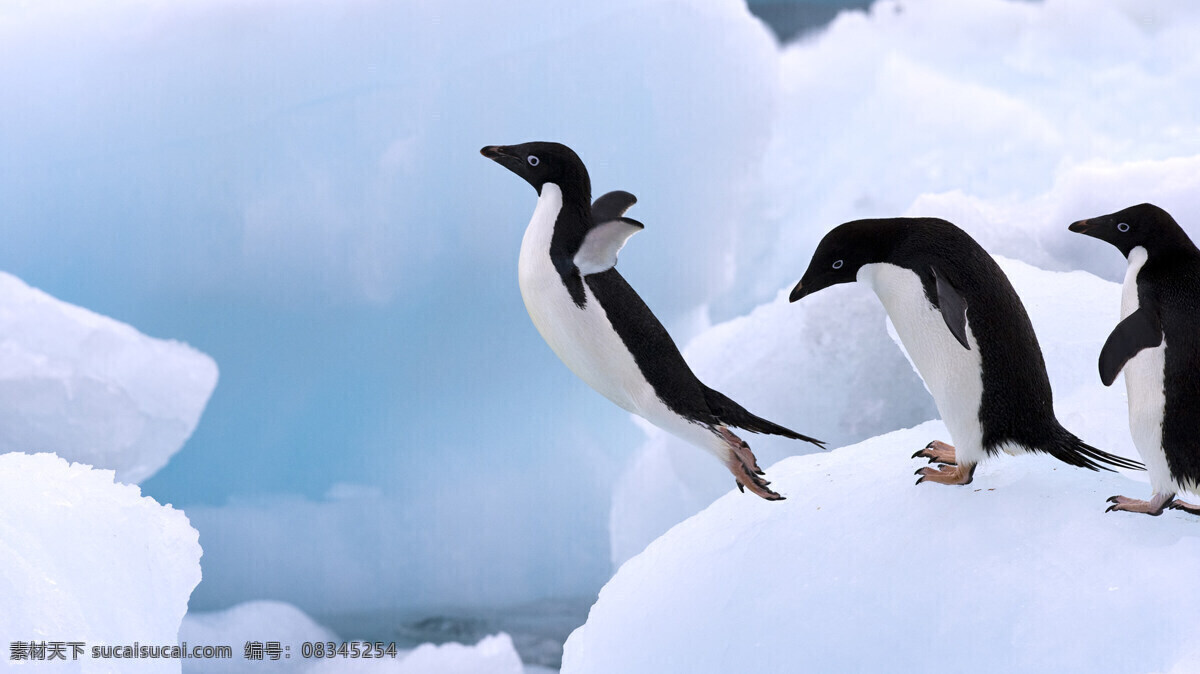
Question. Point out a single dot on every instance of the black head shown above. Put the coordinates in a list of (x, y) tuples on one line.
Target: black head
[(540, 163), (1144, 225), (844, 251)]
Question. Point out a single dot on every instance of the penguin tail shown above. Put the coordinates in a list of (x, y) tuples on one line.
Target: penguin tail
[(1071, 450), (732, 414)]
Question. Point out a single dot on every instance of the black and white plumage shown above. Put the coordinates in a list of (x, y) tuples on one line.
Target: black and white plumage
[(599, 326), (1157, 345), (967, 333)]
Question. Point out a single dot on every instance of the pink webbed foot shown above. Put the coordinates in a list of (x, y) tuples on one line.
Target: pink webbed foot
[(1153, 507), (744, 467), (953, 475), (937, 452)]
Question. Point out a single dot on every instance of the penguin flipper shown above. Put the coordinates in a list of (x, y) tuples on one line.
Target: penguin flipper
[(612, 205), (730, 413), (600, 246), (953, 308), (1139, 330)]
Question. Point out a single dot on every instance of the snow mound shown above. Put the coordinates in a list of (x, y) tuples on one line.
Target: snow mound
[(83, 559), (252, 621), (92, 389), (860, 570), (831, 352)]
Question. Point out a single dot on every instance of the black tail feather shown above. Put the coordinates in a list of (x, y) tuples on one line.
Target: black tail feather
[(1071, 450), (732, 414)]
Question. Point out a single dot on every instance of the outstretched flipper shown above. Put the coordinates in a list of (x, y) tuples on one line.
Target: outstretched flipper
[(609, 232), (1140, 330), (611, 206), (953, 308), (732, 414)]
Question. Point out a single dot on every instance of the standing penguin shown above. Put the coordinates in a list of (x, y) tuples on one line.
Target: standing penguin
[(599, 326), (967, 333), (1157, 344)]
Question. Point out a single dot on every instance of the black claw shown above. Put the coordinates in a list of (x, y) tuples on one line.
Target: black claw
[(920, 479), (930, 445), (919, 471), (760, 472), (741, 487), (1111, 508), (1112, 499), (918, 454)]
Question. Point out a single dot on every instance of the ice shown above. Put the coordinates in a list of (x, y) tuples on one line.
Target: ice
[(823, 367), (86, 559), (92, 389), (860, 570), (260, 621), (296, 187)]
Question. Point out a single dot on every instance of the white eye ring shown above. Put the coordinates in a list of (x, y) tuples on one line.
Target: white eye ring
[(1123, 227), (838, 264), (533, 160)]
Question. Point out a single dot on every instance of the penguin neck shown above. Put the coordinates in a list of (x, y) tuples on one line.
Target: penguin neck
[(556, 229)]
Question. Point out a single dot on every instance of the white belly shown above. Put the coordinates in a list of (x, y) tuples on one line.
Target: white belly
[(951, 373), (583, 339), (1144, 387)]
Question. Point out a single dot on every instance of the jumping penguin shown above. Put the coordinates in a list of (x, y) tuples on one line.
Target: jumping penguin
[(599, 326), (966, 331), (1157, 344)]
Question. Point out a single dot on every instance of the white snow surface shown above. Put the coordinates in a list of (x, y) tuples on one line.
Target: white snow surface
[(859, 570), (92, 389), (83, 558)]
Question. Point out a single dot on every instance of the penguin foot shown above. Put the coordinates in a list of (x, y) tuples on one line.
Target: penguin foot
[(937, 452), (1184, 506), (1153, 507), (955, 475), (744, 466)]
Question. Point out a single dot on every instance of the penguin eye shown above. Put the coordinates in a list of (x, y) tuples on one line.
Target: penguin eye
[(1123, 227), (533, 160), (838, 264)]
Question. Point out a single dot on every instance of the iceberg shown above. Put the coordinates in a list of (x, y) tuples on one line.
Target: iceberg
[(84, 559), (93, 389)]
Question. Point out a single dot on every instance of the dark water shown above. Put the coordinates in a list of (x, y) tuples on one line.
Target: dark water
[(538, 629)]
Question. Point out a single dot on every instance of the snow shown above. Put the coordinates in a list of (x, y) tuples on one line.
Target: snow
[(86, 559), (860, 570), (1022, 570), (92, 389)]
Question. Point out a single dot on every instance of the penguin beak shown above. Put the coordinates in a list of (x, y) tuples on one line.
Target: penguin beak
[(798, 292), (494, 152), (1080, 227)]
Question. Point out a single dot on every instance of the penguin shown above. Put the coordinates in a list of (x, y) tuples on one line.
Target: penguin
[(968, 335), (1157, 345), (599, 326)]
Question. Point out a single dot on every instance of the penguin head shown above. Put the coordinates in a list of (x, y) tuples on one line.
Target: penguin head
[(540, 163), (845, 250), (1144, 225)]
